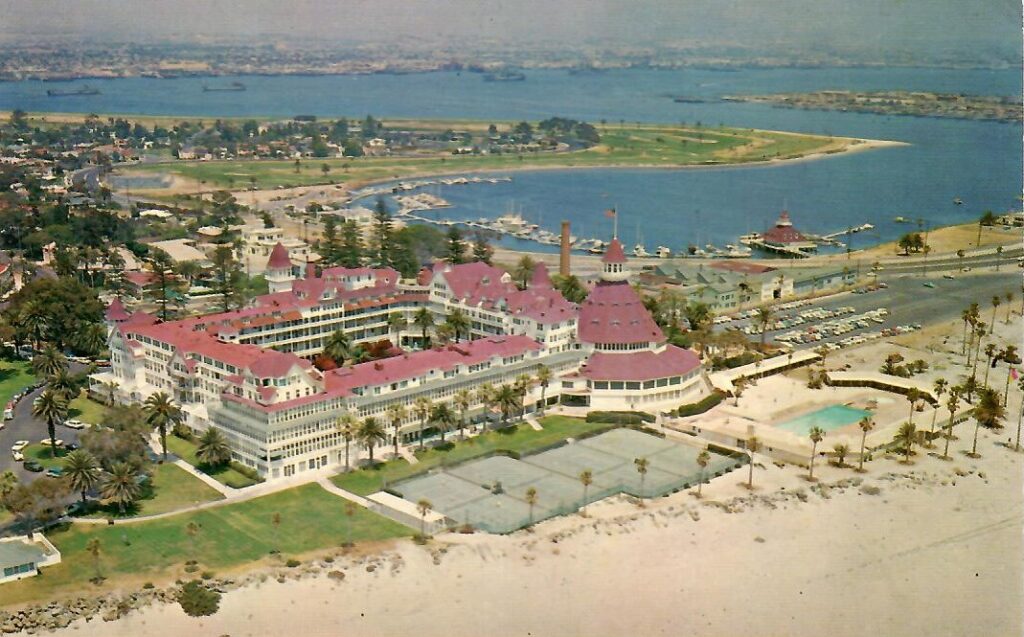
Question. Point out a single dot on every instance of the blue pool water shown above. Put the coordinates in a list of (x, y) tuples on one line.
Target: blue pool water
[(828, 418)]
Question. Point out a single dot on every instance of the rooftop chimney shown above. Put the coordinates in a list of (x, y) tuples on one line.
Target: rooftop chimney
[(563, 261)]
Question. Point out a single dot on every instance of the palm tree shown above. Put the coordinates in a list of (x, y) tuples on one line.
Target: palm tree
[(522, 387), (1009, 310), (543, 379), (49, 361), (63, 383), (938, 389), (905, 438), (913, 396), (82, 471), (523, 270), (275, 520), (1008, 355), (421, 407), (996, 302), (424, 507), (763, 319), (396, 414), (980, 332), (641, 468), (338, 347), (989, 413), (753, 445), (990, 353), (53, 408), (458, 322), (952, 403), (213, 449), (703, 458), (485, 395), (397, 323), (121, 485), (192, 530), (840, 451), (965, 316), (424, 320), (443, 418), (866, 425), (816, 434), (462, 400), (160, 412), (92, 338), (371, 433), (586, 479), (1020, 419), (346, 425), (738, 386), (531, 500), (111, 387), (93, 548), (507, 399)]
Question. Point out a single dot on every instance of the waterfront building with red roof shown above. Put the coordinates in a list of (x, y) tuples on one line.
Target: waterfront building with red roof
[(784, 235)]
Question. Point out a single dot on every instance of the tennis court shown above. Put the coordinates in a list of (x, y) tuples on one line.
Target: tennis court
[(491, 493)]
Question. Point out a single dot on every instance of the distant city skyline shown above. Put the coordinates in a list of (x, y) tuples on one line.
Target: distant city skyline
[(925, 29)]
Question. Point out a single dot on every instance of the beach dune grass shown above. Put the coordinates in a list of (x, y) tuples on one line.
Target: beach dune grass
[(186, 450), (229, 536), (645, 145), (521, 439)]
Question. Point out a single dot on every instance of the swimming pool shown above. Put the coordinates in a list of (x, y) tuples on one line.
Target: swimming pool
[(828, 418)]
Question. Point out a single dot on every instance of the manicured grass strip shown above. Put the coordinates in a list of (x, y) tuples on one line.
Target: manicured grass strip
[(171, 488), (42, 454), (234, 534), (522, 439), (14, 376), (86, 409), (186, 450)]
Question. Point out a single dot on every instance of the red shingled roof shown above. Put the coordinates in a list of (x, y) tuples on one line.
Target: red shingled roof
[(783, 232), (279, 258), (613, 313), (639, 366), (615, 253), (115, 311)]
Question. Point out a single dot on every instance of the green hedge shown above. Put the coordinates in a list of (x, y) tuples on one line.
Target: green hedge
[(706, 403), (620, 417)]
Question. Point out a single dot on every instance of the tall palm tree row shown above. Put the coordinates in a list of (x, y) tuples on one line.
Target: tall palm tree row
[(421, 407), (543, 379), (396, 414), (346, 425), (462, 401)]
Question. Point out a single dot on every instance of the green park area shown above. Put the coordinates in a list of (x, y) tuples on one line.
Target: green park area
[(14, 376), (169, 489), (86, 409), (225, 474), (521, 439), (620, 146), (308, 519)]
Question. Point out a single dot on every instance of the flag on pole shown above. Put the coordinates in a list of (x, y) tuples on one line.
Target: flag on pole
[(610, 213)]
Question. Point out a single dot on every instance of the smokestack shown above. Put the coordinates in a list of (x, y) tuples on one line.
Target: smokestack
[(563, 261)]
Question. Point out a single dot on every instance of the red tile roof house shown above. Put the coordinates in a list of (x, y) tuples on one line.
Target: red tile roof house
[(248, 373)]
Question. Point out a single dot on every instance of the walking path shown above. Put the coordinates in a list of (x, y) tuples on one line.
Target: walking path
[(532, 421), (330, 487), (409, 456)]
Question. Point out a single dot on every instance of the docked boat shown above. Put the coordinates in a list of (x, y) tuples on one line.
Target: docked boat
[(82, 90), (663, 252), (747, 239), (640, 251)]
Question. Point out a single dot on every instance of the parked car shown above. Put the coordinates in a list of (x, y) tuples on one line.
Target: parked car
[(71, 446), (19, 445), (33, 466), (74, 423), (46, 442), (17, 455), (55, 472)]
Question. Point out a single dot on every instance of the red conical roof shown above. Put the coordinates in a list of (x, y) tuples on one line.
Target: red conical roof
[(615, 253), (540, 278), (116, 311), (279, 259)]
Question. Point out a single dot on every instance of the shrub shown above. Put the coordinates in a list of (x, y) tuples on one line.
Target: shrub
[(620, 417), (197, 600), (191, 568), (248, 472), (292, 563), (148, 585), (508, 453), (207, 575), (701, 406)]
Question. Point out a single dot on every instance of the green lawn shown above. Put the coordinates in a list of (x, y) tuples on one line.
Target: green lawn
[(186, 450), (649, 145), (310, 519), (41, 453), (171, 488), (522, 439), (86, 409), (14, 376)]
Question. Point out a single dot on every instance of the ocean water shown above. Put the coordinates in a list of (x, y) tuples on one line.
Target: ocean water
[(977, 162)]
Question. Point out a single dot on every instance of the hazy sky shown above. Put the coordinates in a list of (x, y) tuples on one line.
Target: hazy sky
[(926, 26)]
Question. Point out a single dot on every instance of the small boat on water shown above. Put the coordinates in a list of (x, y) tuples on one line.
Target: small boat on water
[(505, 76), (234, 86), (82, 90), (662, 252), (640, 251)]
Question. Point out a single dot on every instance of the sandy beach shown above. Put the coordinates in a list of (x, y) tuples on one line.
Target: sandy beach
[(934, 551)]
